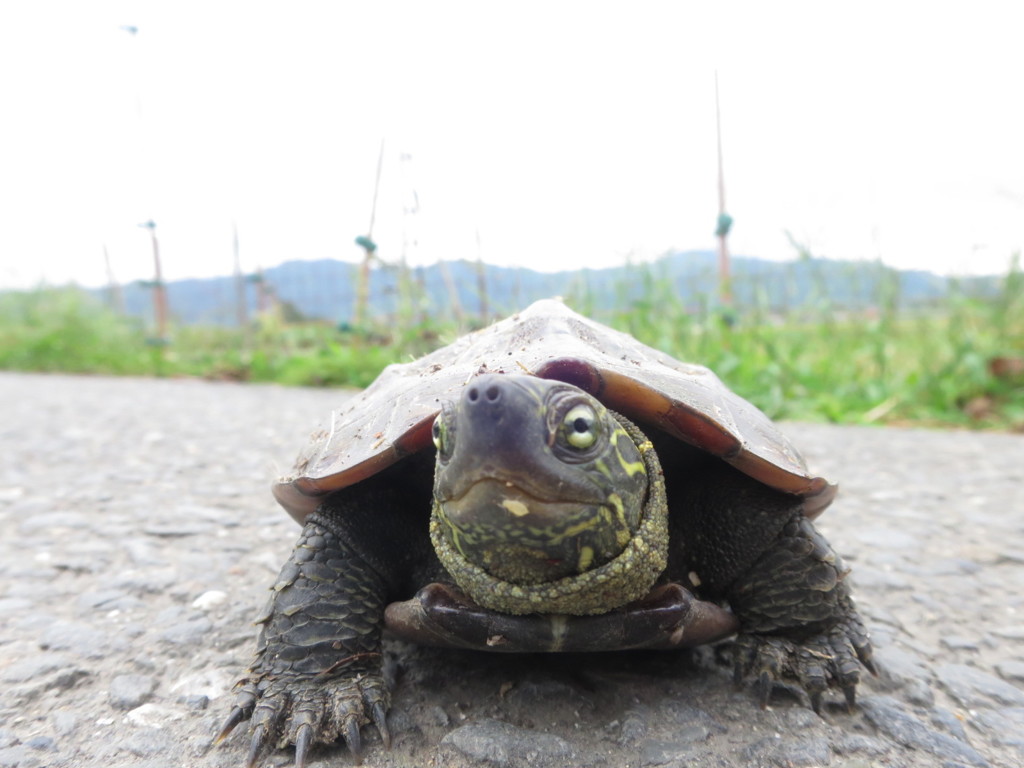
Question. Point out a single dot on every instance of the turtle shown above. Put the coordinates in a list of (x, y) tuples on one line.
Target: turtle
[(550, 484)]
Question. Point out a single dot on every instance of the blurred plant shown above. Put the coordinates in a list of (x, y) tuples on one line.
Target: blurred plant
[(951, 363), (68, 330)]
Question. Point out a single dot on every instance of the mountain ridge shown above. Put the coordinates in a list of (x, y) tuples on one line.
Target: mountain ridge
[(325, 289)]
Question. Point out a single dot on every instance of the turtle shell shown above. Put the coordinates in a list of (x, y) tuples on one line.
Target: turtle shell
[(392, 417)]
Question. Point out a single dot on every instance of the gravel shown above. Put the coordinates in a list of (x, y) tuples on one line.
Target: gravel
[(139, 539)]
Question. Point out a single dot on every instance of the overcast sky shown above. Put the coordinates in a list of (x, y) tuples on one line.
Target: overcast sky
[(548, 134)]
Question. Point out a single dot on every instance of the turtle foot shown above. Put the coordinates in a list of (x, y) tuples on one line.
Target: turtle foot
[(831, 658), (308, 711)]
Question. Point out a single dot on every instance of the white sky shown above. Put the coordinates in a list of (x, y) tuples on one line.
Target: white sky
[(567, 134)]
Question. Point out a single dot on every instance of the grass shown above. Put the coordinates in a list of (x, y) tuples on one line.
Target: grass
[(67, 330), (925, 365)]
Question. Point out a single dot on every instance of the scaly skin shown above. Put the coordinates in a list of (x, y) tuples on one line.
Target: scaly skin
[(753, 548), (317, 671), (797, 618)]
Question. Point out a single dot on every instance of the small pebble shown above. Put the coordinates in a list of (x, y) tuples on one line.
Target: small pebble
[(1011, 671), (42, 743), (509, 746), (154, 715), (130, 691), (973, 687), (956, 643), (210, 599), (896, 722)]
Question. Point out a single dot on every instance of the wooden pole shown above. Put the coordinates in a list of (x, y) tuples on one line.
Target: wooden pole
[(724, 220), (453, 293), (159, 289), (481, 282), (369, 249), (241, 305), (114, 295), (262, 294)]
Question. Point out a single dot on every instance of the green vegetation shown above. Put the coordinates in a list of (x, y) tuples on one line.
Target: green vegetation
[(933, 365), (68, 330), (956, 362)]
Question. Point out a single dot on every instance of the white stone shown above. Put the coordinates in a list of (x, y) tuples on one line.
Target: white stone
[(209, 599)]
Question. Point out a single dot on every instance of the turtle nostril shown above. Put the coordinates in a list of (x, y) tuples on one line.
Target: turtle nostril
[(493, 393)]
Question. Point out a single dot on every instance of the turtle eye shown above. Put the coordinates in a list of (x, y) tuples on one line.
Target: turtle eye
[(437, 432), (580, 427)]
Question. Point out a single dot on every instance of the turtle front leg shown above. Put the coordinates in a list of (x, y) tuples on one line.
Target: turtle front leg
[(797, 618), (317, 672)]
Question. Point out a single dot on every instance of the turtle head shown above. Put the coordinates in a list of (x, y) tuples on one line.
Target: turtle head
[(535, 480)]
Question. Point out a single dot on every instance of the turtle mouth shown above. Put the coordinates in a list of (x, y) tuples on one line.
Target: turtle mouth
[(538, 488), (518, 537), (499, 500)]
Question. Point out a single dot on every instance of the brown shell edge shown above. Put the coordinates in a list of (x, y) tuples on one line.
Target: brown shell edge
[(300, 496), (694, 427), (556, 351)]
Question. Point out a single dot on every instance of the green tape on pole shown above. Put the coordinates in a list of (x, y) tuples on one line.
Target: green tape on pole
[(366, 243)]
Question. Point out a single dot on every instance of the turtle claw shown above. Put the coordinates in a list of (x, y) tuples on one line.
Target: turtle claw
[(830, 659), (303, 741), (379, 714), (764, 689), (867, 661), (817, 698), (850, 692), (256, 745), (236, 716), (353, 739), (306, 712)]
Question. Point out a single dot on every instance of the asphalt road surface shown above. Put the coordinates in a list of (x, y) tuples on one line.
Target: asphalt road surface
[(139, 538)]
